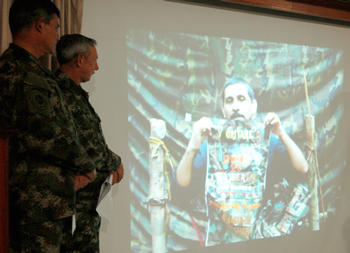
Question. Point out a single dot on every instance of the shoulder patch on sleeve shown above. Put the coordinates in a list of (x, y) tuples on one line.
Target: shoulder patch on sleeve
[(38, 94)]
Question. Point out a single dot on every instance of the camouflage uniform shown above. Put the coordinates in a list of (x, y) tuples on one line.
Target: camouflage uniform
[(86, 235), (45, 155)]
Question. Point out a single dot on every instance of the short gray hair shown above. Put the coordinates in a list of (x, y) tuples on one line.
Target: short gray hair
[(71, 45)]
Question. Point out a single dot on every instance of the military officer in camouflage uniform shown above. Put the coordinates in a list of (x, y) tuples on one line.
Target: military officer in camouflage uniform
[(47, 161), (77, 56)]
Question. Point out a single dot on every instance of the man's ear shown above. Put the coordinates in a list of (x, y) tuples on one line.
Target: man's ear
[(254, 107), (38, 25), (79, 60)]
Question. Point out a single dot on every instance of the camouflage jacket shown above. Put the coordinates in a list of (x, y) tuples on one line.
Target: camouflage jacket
[(46, 153), (91, 136)]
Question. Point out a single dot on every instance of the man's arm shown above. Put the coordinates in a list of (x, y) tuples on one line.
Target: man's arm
[(296, 156), (200, 130), (89, 129)]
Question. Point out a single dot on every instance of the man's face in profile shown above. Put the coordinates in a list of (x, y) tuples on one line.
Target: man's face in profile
[(51, 34), (89, 64), (237, 104)]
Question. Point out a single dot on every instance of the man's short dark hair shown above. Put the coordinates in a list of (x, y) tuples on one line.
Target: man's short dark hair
[(23, 13), (238, 80), (71, 45)]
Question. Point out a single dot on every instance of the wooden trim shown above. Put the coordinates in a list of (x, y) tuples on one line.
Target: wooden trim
[(325, 9), (5, 136), (322, 11)]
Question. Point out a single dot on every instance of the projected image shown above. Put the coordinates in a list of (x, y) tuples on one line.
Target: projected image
[(231, 139)]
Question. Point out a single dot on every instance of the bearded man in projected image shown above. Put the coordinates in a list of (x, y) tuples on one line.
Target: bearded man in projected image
[(235, 194)]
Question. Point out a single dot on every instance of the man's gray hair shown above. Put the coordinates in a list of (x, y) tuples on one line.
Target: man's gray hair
[(71, 45)]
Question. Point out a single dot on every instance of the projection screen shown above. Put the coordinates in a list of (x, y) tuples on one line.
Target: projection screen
[(163, 66)]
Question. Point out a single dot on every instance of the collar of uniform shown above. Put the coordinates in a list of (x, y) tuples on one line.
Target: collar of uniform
[(22, 54), (64, 81)]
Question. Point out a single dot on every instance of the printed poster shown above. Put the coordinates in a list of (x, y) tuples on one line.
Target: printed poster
[(236, 179)]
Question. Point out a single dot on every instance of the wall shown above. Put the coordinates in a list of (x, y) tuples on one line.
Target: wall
[(107, 22)]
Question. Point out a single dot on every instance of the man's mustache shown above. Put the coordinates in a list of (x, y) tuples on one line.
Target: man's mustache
[(236, 115)]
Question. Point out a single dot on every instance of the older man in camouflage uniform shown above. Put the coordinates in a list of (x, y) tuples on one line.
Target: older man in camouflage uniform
[(77, 56), (46, 155)]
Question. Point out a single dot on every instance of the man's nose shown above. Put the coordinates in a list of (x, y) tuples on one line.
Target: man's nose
[(235, 107), (234, 111)]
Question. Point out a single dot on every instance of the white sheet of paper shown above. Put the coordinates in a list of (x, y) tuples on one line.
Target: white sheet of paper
[(105, 203), (74, 225)]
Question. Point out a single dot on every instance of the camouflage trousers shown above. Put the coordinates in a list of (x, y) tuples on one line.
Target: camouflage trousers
[(40, 237), (86, 235)]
